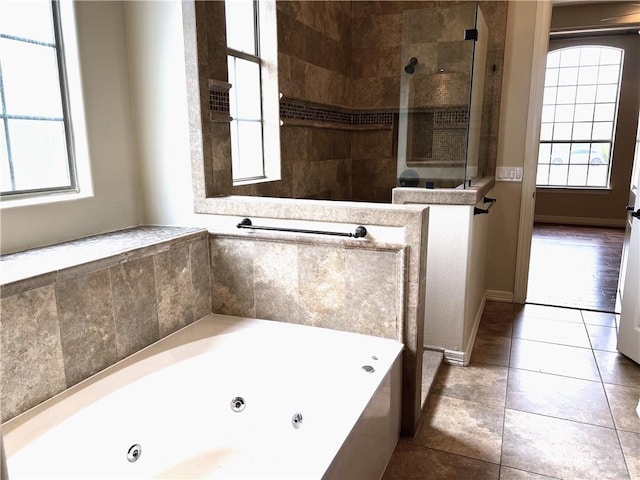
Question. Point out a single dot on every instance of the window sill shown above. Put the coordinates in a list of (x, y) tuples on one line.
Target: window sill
[(43, 199), (574, 190), (253, 181)]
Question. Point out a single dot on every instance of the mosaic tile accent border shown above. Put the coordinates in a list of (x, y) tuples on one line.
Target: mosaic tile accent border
[(454, 116), (314, 112), (301, 110)]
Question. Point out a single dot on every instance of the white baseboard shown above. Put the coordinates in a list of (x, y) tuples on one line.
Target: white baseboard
[(588, 221), (499, 296), (462, 359), (455, 357)]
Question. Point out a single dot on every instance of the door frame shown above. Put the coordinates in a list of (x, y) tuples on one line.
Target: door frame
[(532, 138)]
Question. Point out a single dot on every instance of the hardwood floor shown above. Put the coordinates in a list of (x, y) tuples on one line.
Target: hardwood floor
[(575, 266)]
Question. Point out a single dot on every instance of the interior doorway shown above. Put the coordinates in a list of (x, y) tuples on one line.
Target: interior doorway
[(575, 266)]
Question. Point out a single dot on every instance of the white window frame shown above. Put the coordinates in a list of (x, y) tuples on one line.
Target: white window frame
[(582, 140), (265, 30), (75, 124)]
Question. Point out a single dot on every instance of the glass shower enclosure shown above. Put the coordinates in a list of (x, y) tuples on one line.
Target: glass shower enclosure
[(441, 97)]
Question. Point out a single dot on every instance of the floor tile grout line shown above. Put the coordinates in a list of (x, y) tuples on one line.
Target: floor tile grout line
[(504, 409), (504, 420), (624, 457), (551, 343), (563, 418), (455, 454), (562, 376)]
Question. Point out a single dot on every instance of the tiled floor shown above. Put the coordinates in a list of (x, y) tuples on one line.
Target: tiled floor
[(545, 396)]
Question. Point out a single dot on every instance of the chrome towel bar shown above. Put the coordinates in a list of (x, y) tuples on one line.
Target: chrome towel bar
[(360, 231)]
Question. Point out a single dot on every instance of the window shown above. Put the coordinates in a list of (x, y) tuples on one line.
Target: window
[(245, 96), (578, 116), (36, 144)]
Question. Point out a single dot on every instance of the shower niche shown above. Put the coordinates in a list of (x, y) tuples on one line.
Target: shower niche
[(442, 93)]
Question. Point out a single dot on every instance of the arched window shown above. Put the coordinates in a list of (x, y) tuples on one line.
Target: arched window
[(579, 113)]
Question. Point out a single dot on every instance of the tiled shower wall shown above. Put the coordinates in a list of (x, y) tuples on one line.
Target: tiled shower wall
[(89, 317), (347, 57), (332, 284)]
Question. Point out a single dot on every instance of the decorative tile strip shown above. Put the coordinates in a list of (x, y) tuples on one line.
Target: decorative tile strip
[(299, 110), (372, 118), (451, 116), (314, 112)]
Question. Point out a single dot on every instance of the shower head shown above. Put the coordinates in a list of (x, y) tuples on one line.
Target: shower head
[(410, 68)]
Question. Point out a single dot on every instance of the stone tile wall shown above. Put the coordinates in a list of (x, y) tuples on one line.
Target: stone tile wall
[(350, 55), (331, 284), (85, 319)]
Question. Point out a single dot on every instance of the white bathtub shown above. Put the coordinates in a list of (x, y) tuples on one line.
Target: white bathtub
[(173, 399)]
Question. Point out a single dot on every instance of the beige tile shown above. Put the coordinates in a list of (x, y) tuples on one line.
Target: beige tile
[(322, 290), (414, 462), (555, 396), (599, 318), (200, 278), (492, 349), (551, 331), (134, 305), (631, 449), (373, 280), (32, 367), (624, 401), (617, 369), (454, 56), (557, 359), (560, 448), (87, 329), (174, 289), (431, 364), (481, 383), (496, 324), (276, 281), (232, 286), (507, 473), (462, 427), (492, 306), (603, 338)]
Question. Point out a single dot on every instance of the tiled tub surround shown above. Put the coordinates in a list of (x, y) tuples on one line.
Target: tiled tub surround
[(341, 284), (73, 309)]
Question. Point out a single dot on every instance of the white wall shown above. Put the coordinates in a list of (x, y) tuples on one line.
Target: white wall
[(158, 85), (447, 266), (475, 275), (505, 216), (116, 201), (155, 43)]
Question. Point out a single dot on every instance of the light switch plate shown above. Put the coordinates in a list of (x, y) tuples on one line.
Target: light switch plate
[(509, 174)]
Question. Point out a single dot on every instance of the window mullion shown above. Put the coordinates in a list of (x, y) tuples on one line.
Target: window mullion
[(62, 75), (244, 55), (5, 124)]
